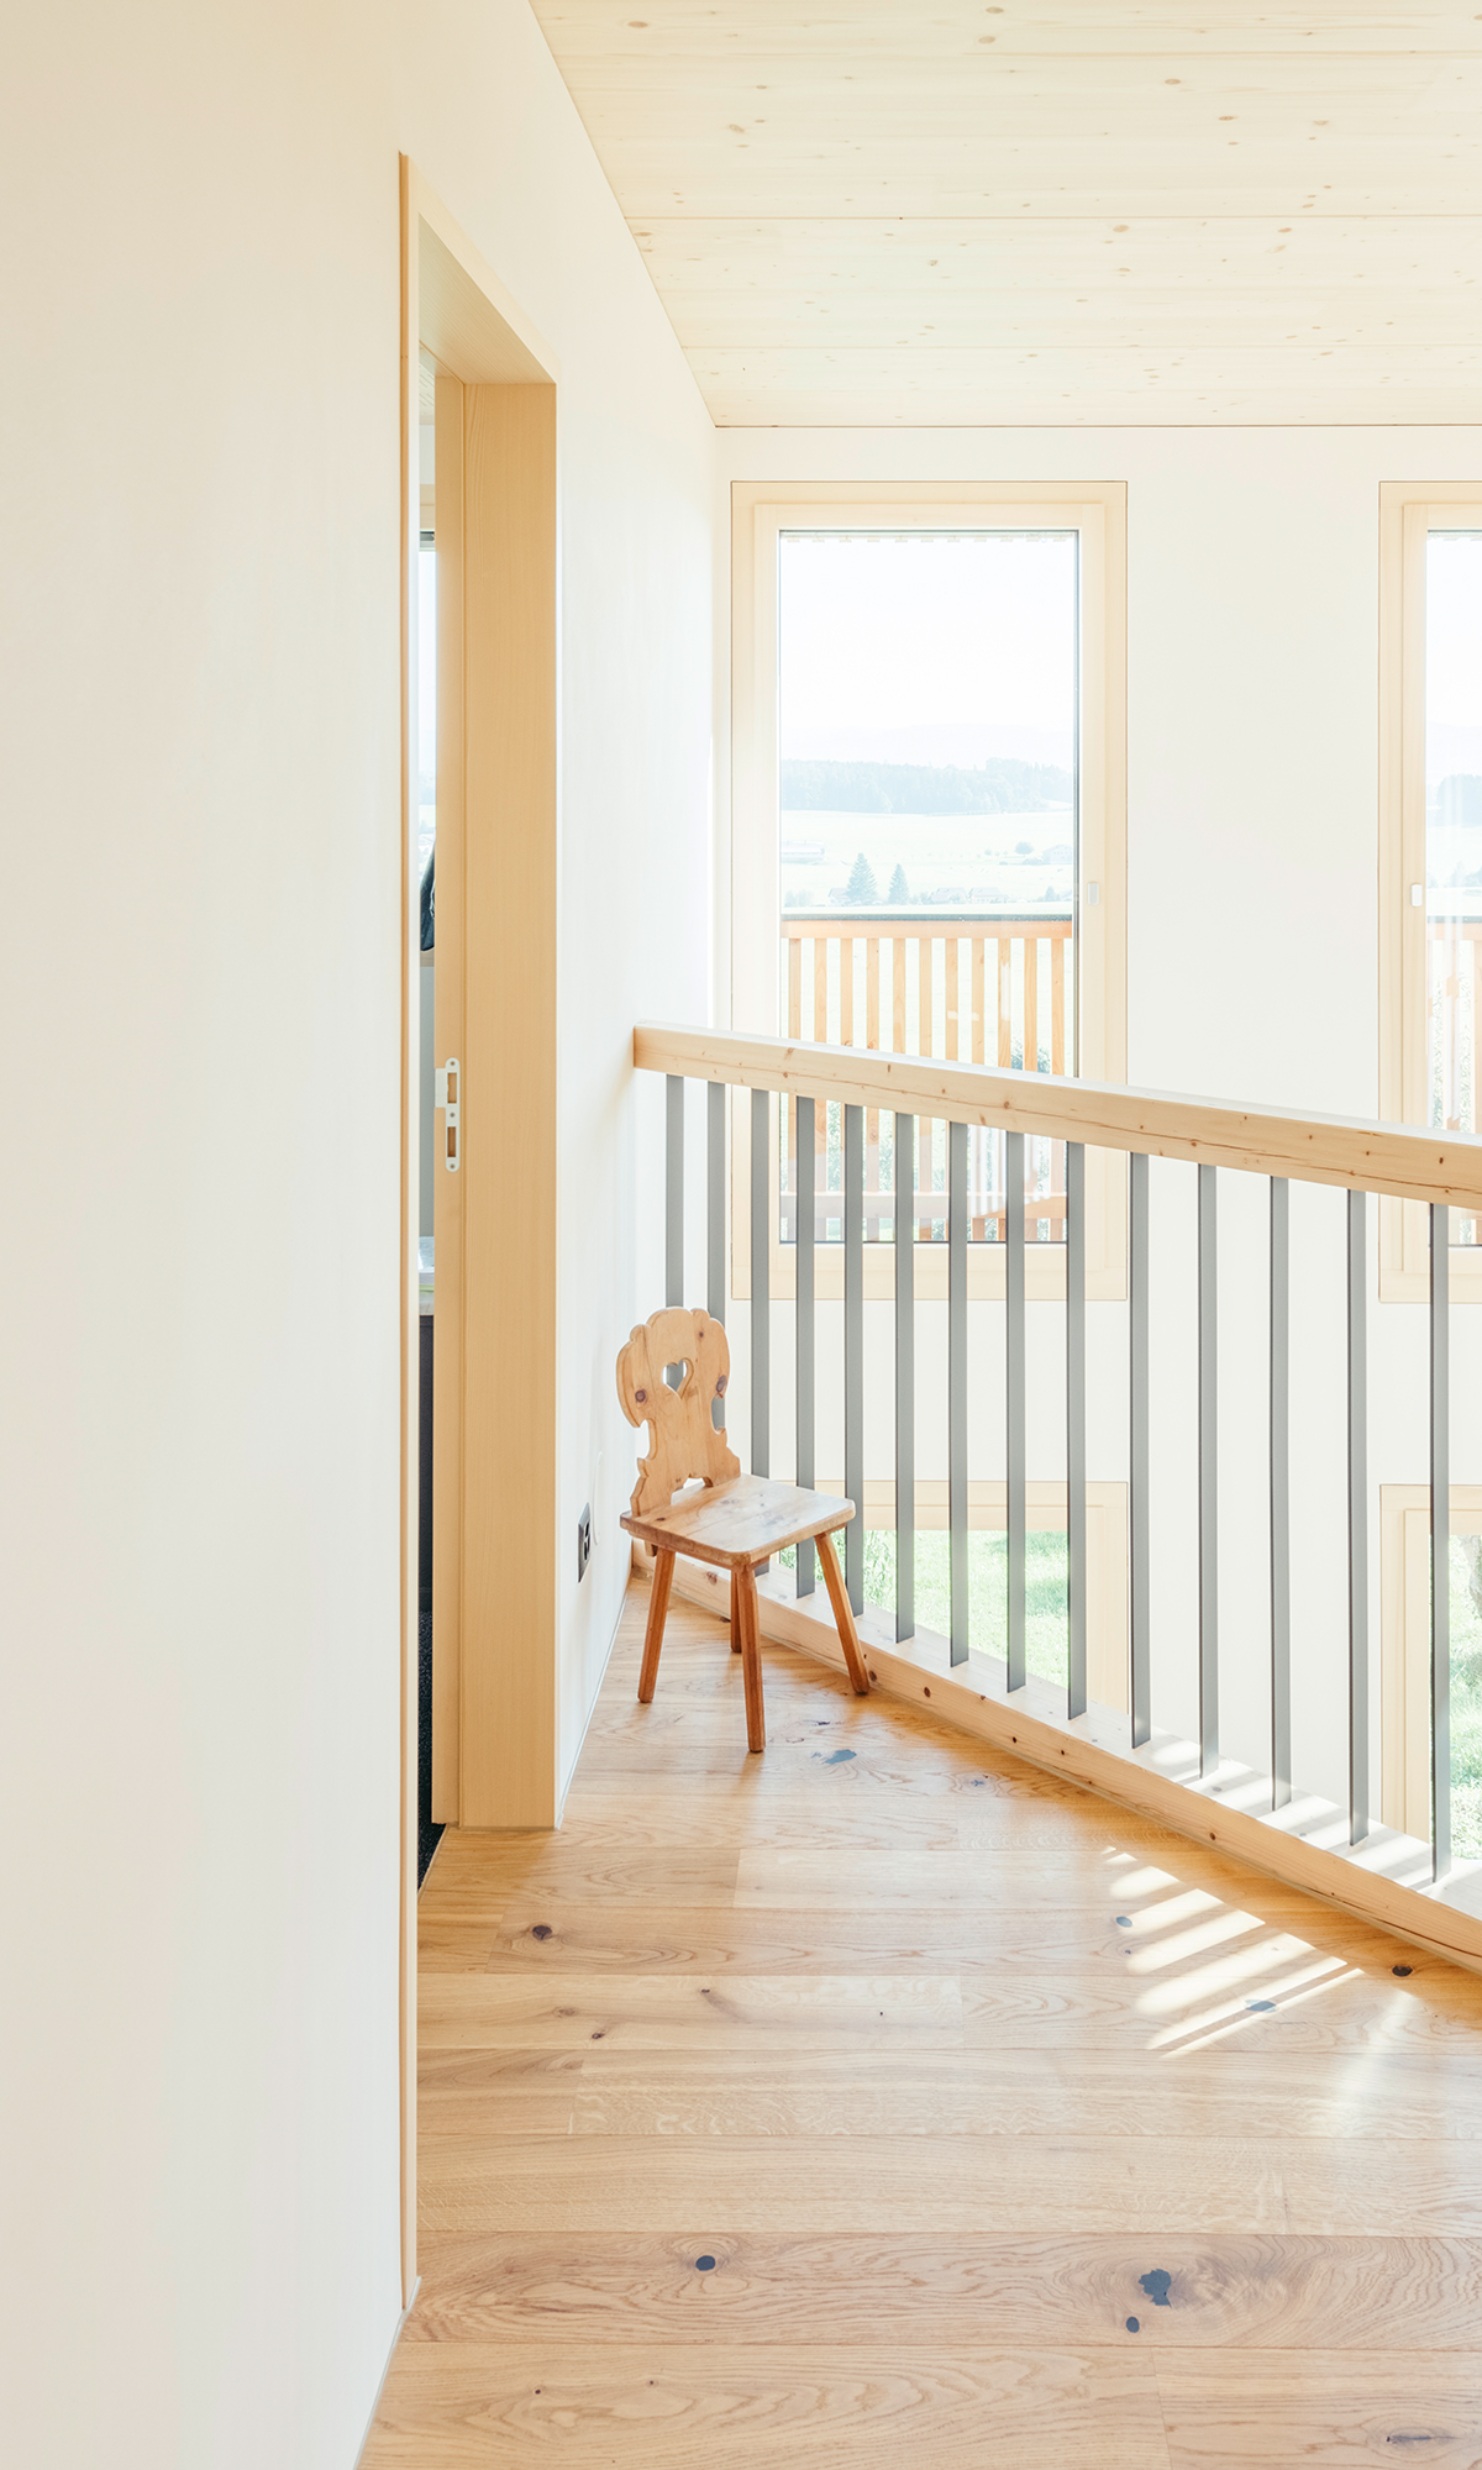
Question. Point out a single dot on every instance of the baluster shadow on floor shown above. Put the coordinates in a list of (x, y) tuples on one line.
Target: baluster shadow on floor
[(884, 2100)]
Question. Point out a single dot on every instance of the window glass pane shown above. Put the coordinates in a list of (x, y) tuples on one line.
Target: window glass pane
[(928, 835), (1466, 1696), (1046, 1590), (1453, 831)]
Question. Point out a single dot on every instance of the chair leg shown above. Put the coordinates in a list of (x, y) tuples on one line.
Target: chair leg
[(743, 1594), (653, 1636), (735, 1616), (838, 1596)]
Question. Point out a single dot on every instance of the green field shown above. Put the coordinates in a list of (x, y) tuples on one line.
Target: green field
[(1466, 1701), (1045, 1594)]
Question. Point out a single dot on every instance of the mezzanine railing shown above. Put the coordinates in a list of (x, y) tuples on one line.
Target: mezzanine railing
[(1434, 1171)]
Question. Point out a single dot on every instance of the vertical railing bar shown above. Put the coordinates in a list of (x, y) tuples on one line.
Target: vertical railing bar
[(1209, 1488), (673, 1188), (1358, 1519), (761, 1274), (1075, 1426), (1440, 1337), (1139, 1626), (715, 1201), (803, 1317), (957, 1382), (1014, 1394), (1073, 974), (903, 1211), (1281, 1505), (854, 1533)]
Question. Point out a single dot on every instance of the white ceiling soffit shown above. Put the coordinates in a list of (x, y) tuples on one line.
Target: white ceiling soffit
[(877, 212)]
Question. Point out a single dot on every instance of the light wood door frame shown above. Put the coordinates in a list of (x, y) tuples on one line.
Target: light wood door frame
[(494, 1525)]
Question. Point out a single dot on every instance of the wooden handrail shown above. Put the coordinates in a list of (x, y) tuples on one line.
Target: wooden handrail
[(925, 925), (1413, 1164)]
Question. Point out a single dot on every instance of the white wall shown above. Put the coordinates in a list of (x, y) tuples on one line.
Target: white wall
[(199, 1085), (1253, 596)]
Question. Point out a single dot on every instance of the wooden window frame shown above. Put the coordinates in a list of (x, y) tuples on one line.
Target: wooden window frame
[(1408, 512), (1405, 1644), (1097, 512)]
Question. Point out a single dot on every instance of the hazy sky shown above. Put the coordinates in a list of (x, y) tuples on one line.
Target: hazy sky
[(1453, 647), (943, 642)]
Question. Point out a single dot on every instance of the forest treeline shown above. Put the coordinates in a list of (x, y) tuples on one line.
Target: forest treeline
[(1001, 786)]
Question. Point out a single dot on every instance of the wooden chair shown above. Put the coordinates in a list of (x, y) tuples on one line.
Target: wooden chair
[(737, 1521)]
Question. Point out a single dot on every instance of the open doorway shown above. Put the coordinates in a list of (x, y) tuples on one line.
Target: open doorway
[(478, 1068), (428, 1093)]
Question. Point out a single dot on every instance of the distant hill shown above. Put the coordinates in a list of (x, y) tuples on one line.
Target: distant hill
[(1456, 799), (999, 787)]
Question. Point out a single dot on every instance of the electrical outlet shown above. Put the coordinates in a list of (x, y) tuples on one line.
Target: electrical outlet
[(583, 1542)]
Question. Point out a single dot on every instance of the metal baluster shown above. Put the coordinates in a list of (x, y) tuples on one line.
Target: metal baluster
[(805, 1235), (1014, 1389), (761, 1273), (1209, 1489), (1137, 1506), (904, 1215), (1281, 1501), (1358, 1519), (673, 1201), (1075, 1426), (715, 1202), (854, 1168), (1440, 1540), (957, 1382)]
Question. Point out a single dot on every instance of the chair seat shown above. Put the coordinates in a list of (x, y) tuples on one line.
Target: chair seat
[(740, 1523)]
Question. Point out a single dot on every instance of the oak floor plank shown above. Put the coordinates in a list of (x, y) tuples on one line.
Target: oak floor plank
[(1305, 2005), (959, 2184), (541, 1932), (1083, 1876), (880, 2101), (1330, 2410), (1404, 2097), (759, 2011), (596, 1876), (823, 2407), (839, 1810), (1270, 2291), (876, 2183)]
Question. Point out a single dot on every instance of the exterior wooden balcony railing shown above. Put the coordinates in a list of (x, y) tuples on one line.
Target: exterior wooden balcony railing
[(991, 988), (1454, 993)]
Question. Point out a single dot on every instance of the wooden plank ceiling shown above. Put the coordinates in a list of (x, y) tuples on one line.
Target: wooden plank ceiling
[(871, 212)]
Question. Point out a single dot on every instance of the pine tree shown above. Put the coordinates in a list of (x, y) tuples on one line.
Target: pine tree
[(861, 888), (900, 891)]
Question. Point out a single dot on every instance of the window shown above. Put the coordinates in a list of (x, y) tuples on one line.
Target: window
[(1046, 1628), (1405, 1599), (928, 827), (1431, 842)]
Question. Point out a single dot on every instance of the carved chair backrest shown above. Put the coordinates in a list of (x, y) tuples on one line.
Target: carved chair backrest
[(683, 1441)]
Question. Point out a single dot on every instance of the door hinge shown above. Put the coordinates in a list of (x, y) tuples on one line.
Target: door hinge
[(448, 1086)]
